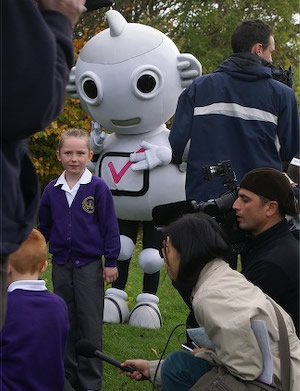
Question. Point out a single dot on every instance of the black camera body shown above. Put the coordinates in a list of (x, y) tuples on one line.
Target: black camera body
[(219, 208), (285, 76)]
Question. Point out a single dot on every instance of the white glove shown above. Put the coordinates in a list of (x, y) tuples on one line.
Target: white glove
[(71, 86), (189, 68), (97, 137), (153, 156)]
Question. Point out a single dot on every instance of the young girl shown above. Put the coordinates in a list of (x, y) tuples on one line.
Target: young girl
[(78, 219)]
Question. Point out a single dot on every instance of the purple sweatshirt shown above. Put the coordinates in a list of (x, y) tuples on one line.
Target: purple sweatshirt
[(32, 342), (86, 230)]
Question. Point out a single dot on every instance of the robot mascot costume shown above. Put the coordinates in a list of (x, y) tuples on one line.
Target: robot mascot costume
[(128, 78)]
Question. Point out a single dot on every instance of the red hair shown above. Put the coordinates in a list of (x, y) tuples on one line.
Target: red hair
[(31, 255)]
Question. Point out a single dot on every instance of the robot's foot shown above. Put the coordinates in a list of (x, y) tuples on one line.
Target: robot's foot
[(115, 306), (146, 312)]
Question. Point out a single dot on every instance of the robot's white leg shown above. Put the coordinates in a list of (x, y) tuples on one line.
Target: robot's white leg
[(115, 300), (127, 248), (115, 306), (150, 260), (146, 312)]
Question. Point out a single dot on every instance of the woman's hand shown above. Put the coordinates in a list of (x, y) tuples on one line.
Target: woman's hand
[(199, 350), (141, 368)]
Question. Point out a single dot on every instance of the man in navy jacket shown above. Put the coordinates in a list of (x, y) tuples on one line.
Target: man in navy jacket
[(36, 56), (271, 259), (238, 113)]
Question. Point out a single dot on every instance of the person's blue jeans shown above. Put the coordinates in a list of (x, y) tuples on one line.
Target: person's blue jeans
[(181, 370)]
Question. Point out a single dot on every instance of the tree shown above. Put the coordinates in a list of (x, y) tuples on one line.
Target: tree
[(202, 28)]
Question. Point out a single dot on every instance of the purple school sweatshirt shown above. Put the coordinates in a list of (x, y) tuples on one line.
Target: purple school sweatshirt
[(86, 230), (32, 342)]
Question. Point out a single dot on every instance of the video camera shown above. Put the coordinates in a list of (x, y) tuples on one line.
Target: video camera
[(219, 208), (92, 5), (285, 76)]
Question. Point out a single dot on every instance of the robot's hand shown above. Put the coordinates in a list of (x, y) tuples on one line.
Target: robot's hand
[(189, 68), (71, 86), (97, 137), (152, 156), (182, 167)]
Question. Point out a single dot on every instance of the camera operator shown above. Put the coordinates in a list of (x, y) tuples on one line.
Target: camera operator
[(271, 259), (239, 113)]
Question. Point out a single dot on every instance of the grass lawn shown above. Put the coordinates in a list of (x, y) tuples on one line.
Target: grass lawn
[(123, 341)]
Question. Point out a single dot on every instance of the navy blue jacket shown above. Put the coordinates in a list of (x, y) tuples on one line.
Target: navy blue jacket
[(272, 263), (238, 113), (36, 56), (86, 230)]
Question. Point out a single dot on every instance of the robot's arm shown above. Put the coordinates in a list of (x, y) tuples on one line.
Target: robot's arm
[(152, 156), (97, 137), (189, 68), (71, 86)]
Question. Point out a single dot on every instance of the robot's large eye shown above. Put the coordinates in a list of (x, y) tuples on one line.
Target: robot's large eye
[(90, 88), (146, 83)]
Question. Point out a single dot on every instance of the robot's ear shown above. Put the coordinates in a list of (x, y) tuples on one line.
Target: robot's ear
[(71, 86), (189, 68)]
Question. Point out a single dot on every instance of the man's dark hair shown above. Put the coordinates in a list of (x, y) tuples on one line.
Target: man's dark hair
[(249, 33), (198, 239)]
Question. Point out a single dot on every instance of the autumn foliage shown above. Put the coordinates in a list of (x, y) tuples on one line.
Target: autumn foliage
[(43, 144)]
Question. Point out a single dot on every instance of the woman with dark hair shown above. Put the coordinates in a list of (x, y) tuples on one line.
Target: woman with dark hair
[(225, 304)]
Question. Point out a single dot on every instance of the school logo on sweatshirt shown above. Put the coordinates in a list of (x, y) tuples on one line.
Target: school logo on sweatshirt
[(88, 204)]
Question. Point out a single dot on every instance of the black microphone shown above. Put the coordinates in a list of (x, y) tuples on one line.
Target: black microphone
[(87, 349), (164, 214), (92, 5)]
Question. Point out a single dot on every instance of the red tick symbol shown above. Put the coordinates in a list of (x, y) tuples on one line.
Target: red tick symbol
[(117, 176)]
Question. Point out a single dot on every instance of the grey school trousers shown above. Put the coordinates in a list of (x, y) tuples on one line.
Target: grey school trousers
[(82, 288)]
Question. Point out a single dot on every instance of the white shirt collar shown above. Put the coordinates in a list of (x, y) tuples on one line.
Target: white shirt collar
[(85, 178), (28, 285)]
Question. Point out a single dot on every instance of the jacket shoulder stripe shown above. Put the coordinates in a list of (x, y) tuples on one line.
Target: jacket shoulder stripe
[(238, 111)]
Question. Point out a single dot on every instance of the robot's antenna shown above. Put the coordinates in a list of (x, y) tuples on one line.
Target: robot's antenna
[(116, 22)]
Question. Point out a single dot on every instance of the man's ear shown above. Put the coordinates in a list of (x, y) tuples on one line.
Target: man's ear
[(10, 269), (257, 49), (44, 267), (272, 208)]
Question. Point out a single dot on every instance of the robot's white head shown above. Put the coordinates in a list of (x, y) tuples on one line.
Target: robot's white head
[(127, 77)]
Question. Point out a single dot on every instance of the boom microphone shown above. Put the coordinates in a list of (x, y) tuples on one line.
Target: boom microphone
[(87, 349)]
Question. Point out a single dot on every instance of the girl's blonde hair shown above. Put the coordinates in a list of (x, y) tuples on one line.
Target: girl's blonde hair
[(80, 133)]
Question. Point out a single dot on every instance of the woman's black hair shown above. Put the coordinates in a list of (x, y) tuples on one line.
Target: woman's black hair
[(198, 238)]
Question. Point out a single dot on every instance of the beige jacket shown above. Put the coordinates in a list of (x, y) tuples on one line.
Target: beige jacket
[(224, 302)]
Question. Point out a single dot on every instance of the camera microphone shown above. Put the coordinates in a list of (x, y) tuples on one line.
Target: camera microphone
[(92, 5)]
